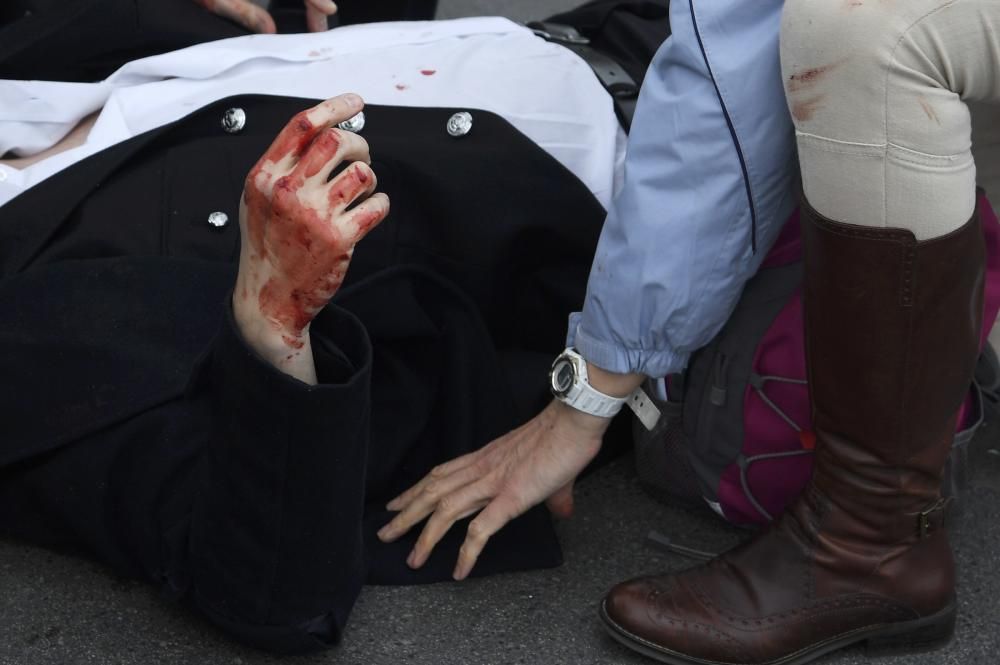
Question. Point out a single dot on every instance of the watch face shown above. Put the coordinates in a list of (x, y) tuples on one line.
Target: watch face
[(563, 375)]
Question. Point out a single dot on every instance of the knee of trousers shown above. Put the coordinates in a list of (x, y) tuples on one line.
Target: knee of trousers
[(827, 53), (868, 33), (813, 30), (868, 71), (883, 139)]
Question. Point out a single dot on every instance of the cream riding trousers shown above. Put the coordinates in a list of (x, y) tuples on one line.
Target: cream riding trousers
[(885, 95)]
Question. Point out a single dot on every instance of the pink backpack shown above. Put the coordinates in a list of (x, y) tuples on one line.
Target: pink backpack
[(736, 433)]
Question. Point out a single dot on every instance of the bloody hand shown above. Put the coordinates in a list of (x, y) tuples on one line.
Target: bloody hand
[(297, 232)]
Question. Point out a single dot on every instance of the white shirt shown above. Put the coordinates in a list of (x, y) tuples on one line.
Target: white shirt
[(493, 64)]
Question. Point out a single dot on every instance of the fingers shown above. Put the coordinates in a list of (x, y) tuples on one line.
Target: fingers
[(297, 135), (467, 501), (328, 149), (365, 217), (244, 12), (357, 181), (325, 7), (501, 510), (428, 501), (316, 13), (334, 110), (321, 155), (560, 504), (437, 472)]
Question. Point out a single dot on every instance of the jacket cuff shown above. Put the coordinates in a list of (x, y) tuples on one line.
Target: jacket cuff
[(276, 538), (655, 363)]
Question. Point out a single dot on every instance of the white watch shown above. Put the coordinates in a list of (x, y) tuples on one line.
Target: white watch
[(570, 384)]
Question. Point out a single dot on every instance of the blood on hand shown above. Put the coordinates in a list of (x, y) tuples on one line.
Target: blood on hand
[(299, 235)]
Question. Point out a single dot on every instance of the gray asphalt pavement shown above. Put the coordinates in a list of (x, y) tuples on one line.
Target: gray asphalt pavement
[(62, 610)]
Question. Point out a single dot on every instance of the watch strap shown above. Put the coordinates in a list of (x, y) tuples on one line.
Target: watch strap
[(644, 408), (586, 398)]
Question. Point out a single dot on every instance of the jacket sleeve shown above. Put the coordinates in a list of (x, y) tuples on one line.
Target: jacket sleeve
[(276, 551), (709, 180), (242, 496)]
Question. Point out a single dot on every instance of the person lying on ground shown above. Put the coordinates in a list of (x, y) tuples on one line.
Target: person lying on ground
[(163, 417)]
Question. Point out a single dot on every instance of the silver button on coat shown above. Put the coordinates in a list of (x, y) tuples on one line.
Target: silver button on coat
[(234, 120), (355, 124), (460, 124), (218, 219)]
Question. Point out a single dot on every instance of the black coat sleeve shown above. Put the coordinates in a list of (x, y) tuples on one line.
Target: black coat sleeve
[(243, 493), (276, 549)]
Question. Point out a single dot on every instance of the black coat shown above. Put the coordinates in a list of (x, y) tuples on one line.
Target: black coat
[(139, 428)]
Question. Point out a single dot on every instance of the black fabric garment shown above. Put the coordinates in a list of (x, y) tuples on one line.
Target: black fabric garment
[(140, 429), (87, 40), (628, 31), (366, 11)]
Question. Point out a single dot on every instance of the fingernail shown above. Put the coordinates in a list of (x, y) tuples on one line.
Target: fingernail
[(410, 560), (353, 100), (383, 533)]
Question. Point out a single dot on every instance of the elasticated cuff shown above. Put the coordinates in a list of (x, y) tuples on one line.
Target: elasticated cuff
[(655, 363)]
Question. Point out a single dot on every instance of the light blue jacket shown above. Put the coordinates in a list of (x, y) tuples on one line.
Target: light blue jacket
[(710, 178)]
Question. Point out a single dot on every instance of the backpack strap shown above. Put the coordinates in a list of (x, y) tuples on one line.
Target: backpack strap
[(623, 89), (988, 374)]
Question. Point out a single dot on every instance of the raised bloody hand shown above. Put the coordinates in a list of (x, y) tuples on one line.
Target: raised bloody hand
[(298, 234), (255, 18)]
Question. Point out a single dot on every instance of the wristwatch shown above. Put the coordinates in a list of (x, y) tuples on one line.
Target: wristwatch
[(570, 384)]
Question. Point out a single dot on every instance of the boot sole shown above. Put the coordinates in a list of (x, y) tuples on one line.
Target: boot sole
[(926, 634)]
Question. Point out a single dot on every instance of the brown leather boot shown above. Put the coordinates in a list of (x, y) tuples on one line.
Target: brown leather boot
[(892, 330)]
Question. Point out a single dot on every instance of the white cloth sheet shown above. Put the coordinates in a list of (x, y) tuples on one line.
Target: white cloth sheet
[(487, 63)]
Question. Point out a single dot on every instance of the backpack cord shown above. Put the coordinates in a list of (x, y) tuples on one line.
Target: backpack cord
[(757, 382), (662, 542), (744, 464)]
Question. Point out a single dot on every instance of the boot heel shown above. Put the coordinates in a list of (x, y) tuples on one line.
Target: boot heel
[(925, 634)]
